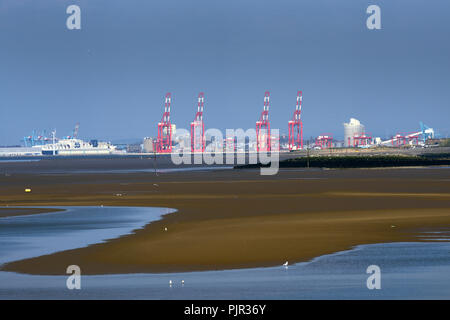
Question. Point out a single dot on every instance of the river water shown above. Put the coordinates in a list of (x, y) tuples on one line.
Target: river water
[(419, 270)]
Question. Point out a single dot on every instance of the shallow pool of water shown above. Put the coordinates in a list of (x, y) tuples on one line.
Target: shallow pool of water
[(35, 235)]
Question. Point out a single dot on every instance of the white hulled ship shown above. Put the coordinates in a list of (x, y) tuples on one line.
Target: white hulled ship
[(73, 147)]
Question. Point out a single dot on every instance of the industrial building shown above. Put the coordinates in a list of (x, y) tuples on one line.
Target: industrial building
[(351, 129), (148, 145)]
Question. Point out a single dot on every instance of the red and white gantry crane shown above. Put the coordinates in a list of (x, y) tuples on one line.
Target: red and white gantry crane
[(296, 126), (198, 127), (263, 139), (164, 141)]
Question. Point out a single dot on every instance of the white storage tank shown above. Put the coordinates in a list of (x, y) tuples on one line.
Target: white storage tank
[(352, 128)]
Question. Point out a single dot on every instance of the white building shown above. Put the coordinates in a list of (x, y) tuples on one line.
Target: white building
[(352, 128)]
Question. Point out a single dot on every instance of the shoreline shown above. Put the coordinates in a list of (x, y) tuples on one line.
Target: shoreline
[(306, 280), (6, 212), (238, 219), (410, 234)]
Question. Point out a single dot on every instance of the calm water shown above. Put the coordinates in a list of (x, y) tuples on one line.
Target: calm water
[(34, 235), (408, 270)]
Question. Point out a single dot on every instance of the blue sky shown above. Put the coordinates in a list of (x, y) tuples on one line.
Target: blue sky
[(112, 75)]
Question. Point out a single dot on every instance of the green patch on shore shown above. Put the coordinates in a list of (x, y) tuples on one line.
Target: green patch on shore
[(445, 142), (359, 161)]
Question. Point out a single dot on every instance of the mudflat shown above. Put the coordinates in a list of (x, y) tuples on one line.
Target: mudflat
[(13, 212), (237, 218)]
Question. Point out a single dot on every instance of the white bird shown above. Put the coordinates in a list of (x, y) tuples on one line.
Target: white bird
[(170, 282), (286, 264), (182, 282)]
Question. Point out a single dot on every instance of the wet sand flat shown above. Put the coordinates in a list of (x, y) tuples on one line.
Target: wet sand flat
[(237, 218)]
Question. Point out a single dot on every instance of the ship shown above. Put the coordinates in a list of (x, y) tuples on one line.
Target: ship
[(75, 147)]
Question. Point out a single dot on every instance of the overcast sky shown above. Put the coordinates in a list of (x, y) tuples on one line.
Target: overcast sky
[(112, 75)]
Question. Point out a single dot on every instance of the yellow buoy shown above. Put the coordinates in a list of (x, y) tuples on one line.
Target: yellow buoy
[(27, 190)]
